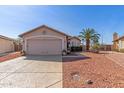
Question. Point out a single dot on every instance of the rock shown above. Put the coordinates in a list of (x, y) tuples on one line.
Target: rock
[(75, 76), (89, 82)]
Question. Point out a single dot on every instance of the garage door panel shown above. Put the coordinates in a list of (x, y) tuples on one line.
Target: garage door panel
[(44, 46)]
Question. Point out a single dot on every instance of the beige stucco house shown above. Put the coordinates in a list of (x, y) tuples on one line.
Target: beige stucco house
[(118, 42), (6, 44), (74, 41), (44, 40)]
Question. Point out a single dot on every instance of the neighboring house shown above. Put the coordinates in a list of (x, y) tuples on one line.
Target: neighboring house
[(118, 42), (6, 44), (74, 41), (44, 40)]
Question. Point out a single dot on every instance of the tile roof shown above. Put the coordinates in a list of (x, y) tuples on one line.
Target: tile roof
[(118, 38)]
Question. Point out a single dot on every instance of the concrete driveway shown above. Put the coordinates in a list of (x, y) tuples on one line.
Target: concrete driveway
[(32, 72)]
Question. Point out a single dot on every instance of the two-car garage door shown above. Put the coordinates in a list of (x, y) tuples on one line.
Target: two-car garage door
[(44, 46)]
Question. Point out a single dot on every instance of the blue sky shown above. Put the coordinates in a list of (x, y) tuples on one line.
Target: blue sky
[(106, 20)]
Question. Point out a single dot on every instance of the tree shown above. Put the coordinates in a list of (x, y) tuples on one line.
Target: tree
[(95, 38), (89, 35)]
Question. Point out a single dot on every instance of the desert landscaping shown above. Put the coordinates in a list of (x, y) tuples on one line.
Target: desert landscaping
[(94, 71)]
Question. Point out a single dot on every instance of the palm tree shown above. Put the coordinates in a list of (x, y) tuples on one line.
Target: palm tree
[(95, 38), (89, 34)]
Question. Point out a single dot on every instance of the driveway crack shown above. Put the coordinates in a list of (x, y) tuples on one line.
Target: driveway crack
[(53, 84)]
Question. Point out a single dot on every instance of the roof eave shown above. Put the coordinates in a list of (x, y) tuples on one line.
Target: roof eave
[(21, 35), (7, 38)]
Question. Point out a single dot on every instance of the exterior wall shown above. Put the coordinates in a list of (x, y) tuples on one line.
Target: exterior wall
[(6, 45), (75, 42), (121, 44), (44, 32)]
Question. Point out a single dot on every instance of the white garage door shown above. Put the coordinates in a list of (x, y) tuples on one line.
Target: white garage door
[(44, 46)]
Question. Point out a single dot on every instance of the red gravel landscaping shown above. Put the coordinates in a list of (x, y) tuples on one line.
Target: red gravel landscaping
[(97, 68), (10, 56)]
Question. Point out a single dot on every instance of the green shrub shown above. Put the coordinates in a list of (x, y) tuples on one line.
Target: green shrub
[(76, 48), (96, 47), (116, 50)]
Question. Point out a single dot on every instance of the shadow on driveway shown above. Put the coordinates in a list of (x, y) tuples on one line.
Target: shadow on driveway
[(57, 58), (48, 58), (72, 58)]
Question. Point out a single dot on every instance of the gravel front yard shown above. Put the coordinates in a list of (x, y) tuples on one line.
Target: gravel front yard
[(92, 71)]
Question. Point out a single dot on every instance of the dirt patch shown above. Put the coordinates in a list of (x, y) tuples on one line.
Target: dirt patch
[(10, 56), (97, 68)]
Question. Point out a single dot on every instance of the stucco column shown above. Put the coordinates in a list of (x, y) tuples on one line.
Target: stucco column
[(25, 45)]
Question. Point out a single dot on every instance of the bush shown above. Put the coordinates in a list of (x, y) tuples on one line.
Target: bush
[(95, 48), (122, 50), (76, 49), (116, 50)]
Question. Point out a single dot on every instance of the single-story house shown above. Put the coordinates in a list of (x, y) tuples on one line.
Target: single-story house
[(74, 41), (6, 44), (118, 42), (44, 40)]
